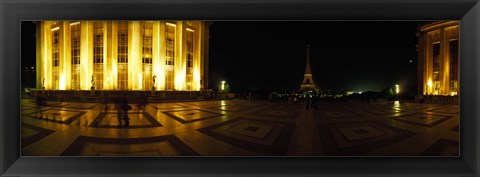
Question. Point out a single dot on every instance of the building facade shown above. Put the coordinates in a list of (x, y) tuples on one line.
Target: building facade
[(438, 59), (122, 55)]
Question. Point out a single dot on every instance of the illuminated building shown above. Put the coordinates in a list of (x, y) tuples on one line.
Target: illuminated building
[(122, 55), (307, 84), (438, 58)]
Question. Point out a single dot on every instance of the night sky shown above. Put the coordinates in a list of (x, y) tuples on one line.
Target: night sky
[(270, 55)]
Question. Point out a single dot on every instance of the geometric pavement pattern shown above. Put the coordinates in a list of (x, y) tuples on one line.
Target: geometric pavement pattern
[(349, 139), (136, 120), (443, 147), (266, 137), (31, 134), (191, 115), (56, 115), (428, 120), (278, 113), (167, 145), (240, 127)]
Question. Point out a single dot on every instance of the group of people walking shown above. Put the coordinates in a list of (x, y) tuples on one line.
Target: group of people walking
[(122, 107)]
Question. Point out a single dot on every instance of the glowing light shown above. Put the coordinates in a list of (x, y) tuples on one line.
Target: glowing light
[(453, 93), (223, 85), (135, 76), (397, 89), (62, 82), (429, 86)]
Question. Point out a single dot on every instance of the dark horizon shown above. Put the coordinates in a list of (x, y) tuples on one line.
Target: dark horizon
[(270, 55)]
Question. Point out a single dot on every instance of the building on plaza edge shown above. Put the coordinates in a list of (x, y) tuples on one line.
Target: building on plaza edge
[(122, 55), (438, 59)]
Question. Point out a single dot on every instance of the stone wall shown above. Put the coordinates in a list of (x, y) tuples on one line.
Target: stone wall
[(102, 95), (437, 99)]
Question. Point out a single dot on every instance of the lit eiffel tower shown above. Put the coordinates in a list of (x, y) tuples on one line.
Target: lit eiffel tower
[(307, 84)]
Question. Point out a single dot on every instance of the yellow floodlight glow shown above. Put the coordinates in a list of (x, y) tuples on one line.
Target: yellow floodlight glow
[(453, 93), (62, 82), (223, 85), (135, 75), (429, 86), (397, 89), (396, 104)]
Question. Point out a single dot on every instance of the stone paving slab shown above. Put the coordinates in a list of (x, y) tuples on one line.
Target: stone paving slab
[(241, 128)]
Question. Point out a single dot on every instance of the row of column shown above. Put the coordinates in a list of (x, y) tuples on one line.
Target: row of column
[(50, 80), (438, 53)]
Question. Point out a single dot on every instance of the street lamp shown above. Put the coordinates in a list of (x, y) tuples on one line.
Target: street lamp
[(223, 86), (397, 88)]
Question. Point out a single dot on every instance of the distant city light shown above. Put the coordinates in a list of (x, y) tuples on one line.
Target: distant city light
[(411, 61), (223, 85), (397, 89)]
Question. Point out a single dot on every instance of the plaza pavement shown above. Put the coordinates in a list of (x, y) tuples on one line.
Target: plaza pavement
[(241, 128)]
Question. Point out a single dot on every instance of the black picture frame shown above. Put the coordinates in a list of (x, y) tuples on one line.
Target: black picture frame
[(13, 12)]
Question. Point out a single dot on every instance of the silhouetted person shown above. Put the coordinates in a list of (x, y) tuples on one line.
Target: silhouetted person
[(105, 105), (39, 101), (119, 114), (308, 103), (140, 104), (125, 108)]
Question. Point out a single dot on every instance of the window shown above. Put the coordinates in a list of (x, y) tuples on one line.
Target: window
[(454, 66), (98, 54), (170, 56), (169, 78), (170, 37), (75, 52), (190, 35), (436, 68), (147, 31), (190, 42), (55, 57), (122, 55)]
